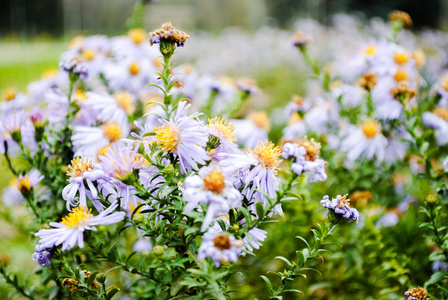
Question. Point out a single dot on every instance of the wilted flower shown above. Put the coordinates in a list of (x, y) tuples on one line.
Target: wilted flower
[(402, 17), (168, 33), (418, 293)]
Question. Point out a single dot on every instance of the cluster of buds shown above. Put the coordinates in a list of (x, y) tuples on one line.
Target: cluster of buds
[(169, 34), (418, 293), (73, 283), (368, 81), (400, 16), (75, 67), (42, 255), (403, 91)]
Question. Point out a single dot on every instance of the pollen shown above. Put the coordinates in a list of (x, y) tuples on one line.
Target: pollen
[(260, 119), (79, 217), (124, 100), (137, 35), (23, 184), (134, 68), (312, 148), (371, 128), (167, 137), (10, 94), (441, 112), (88, 54), (267, 154), (400, 75), (79, 166), (370, 50), (401, 57), (222, 242), (343, 200), (112, 131), (224, 130), (214, 182)]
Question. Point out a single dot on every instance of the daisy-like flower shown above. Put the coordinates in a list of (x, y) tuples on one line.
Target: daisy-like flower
[(70, 231), (185, 137), (253, 130), (306, 159), (340, 206), (438, 119), (257, 170), (115, 108), (82, 172), (211, 188), (221, 247), (22, 186), (29, 181), (365, 142), (87, 141), (120, 166), (13, 123), (129, 75), (225, 133)]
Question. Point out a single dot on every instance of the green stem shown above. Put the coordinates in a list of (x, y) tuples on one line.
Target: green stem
[(12, 280), (8, 160), (438, 238)]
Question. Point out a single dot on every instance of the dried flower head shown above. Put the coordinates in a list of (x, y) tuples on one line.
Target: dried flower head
[(402, 17), (403, 91), (312, 148), (418, 293), (73, 283), (301, 39), (368, 81), (167, 32)]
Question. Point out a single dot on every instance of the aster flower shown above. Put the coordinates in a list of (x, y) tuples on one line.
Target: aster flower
[(225, 133), (82, 172), (418, 293), (256, 170), (75, 66), (168, 33), (210, 188), (253, 130), (115, 108), (340, 206), (13, 123), (221, 247), (70, 231), (438, 119), (365, 142), (306, 159), (185, 137)]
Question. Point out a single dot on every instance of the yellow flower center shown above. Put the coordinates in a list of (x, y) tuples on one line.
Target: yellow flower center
[(222, 242), (10, 94), (24, 184), (103, 151), (124, 100), (88, 54), (77, 41), (50, 73), (224, 130), (137, 35), (79, 217), (371, 128), (343, 201), (80, 96), (267, 154), (214, 182), (312, 148), (401, 57), (401, 75), (167, 137), (260, 119), (79, 165), (441, 112), (134, 68), (444, 84), (419, 57), (370, 50), (295, 117), (112, 131)]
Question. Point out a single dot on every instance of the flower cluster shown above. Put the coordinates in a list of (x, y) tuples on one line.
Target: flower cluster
[(341, 206)]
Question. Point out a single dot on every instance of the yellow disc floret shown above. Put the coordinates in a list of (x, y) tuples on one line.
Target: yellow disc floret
[(134, 68), (79, 217), (312, 148), (10, 94), (88, 54), (50, 73), (401, 57), (222, 242), (400, 75), (137, 35), (23, 184), (167, 137), (214, 182), (370, 50), (112, 131), (224, 130), (260, 119), (80, 165), (124, 100), (371, 128), (267, 154), (79, 96), (441, 112)]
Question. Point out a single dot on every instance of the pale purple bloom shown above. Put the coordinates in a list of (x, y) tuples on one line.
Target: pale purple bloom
[(340, 205), (221, 247)]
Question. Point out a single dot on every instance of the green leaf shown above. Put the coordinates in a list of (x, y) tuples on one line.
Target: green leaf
[(435, 278), (268, 283), (284, 259), (111, 293), (260, 210), (305, 241), (301, 258)]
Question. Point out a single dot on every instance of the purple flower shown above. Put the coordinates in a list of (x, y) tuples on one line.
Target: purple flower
[(341, 206)]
